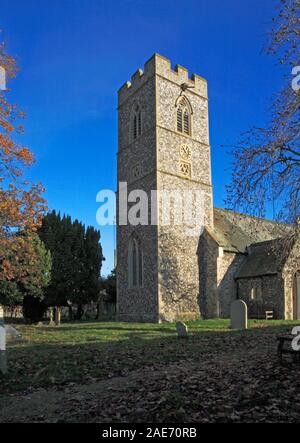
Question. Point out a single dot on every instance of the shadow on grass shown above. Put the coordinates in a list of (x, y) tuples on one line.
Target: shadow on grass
[(154, 329), (51, 364), (106, 328)]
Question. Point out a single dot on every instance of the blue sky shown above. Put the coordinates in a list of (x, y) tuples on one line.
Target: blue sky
[(75, 54)]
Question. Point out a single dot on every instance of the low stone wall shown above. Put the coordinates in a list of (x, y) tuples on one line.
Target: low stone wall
[(92, 311)]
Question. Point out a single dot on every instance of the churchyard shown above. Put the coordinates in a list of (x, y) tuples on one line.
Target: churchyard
[(121, 372)]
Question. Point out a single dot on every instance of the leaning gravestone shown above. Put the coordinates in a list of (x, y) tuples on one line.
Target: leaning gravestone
[(239, 315), (182, 329), (11, 333), (3, 364)]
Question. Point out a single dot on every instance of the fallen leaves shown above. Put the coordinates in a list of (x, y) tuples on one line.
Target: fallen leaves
[(218, 376)]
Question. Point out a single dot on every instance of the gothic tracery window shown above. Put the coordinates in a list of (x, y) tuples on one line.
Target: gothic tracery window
[(136, 122), (184, 115), (135, 263)]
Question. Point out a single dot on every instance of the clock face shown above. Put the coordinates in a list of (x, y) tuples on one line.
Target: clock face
[(185, 152)]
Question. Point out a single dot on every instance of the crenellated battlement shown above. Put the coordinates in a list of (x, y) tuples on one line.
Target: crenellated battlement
[(159, 65)]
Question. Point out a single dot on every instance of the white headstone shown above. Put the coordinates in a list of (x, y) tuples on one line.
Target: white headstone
[(3, 360), (11, 333), (2, 338), (239, 315), (182, 329), (1, 315)]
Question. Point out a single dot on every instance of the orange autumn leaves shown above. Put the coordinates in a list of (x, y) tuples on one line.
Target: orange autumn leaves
[(21, 204)]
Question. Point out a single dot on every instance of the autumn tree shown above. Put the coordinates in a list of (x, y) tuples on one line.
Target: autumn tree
[(266, 162), (21, 204), (29, 291)]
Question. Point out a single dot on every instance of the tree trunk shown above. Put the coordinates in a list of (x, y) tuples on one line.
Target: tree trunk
[(80, 312), (98, 311), (71, 316), (57, 315)]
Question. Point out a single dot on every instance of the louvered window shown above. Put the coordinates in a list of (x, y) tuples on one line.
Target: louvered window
[(135, 127), (139, 123), (186, 122), (136, 123), (179, 119), (184, 116)]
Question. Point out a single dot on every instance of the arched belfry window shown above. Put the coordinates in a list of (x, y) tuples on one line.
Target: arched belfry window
[(135, 263), (184, 116), (136, 122)]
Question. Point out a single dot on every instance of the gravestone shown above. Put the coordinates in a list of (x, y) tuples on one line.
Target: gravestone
[(51, 320), (3, 364), (182, 329), (239, 315), (1, 316), (11, 333)]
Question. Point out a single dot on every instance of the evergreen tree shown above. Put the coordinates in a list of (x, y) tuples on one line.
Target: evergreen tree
[(110, 285), (89, 275), (77, 260)]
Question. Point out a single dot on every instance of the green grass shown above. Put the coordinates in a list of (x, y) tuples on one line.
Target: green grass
[(87, 332), (86, 352)]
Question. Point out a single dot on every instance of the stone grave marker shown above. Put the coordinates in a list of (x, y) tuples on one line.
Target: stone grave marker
[(51, 317), (239, 315), (11, 333), (182, 329), (3, 363), (1, 316)]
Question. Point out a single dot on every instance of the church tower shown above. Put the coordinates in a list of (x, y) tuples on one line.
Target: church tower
[(163, 147)]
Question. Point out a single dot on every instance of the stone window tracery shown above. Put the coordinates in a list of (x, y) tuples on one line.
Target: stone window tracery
[(136, 122), (135, 263), (184, 116)]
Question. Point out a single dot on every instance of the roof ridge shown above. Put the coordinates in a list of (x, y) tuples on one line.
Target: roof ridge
[(253, 216), (259, 243)]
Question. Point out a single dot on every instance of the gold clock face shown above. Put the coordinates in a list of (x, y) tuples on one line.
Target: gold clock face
[(185, 152)]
